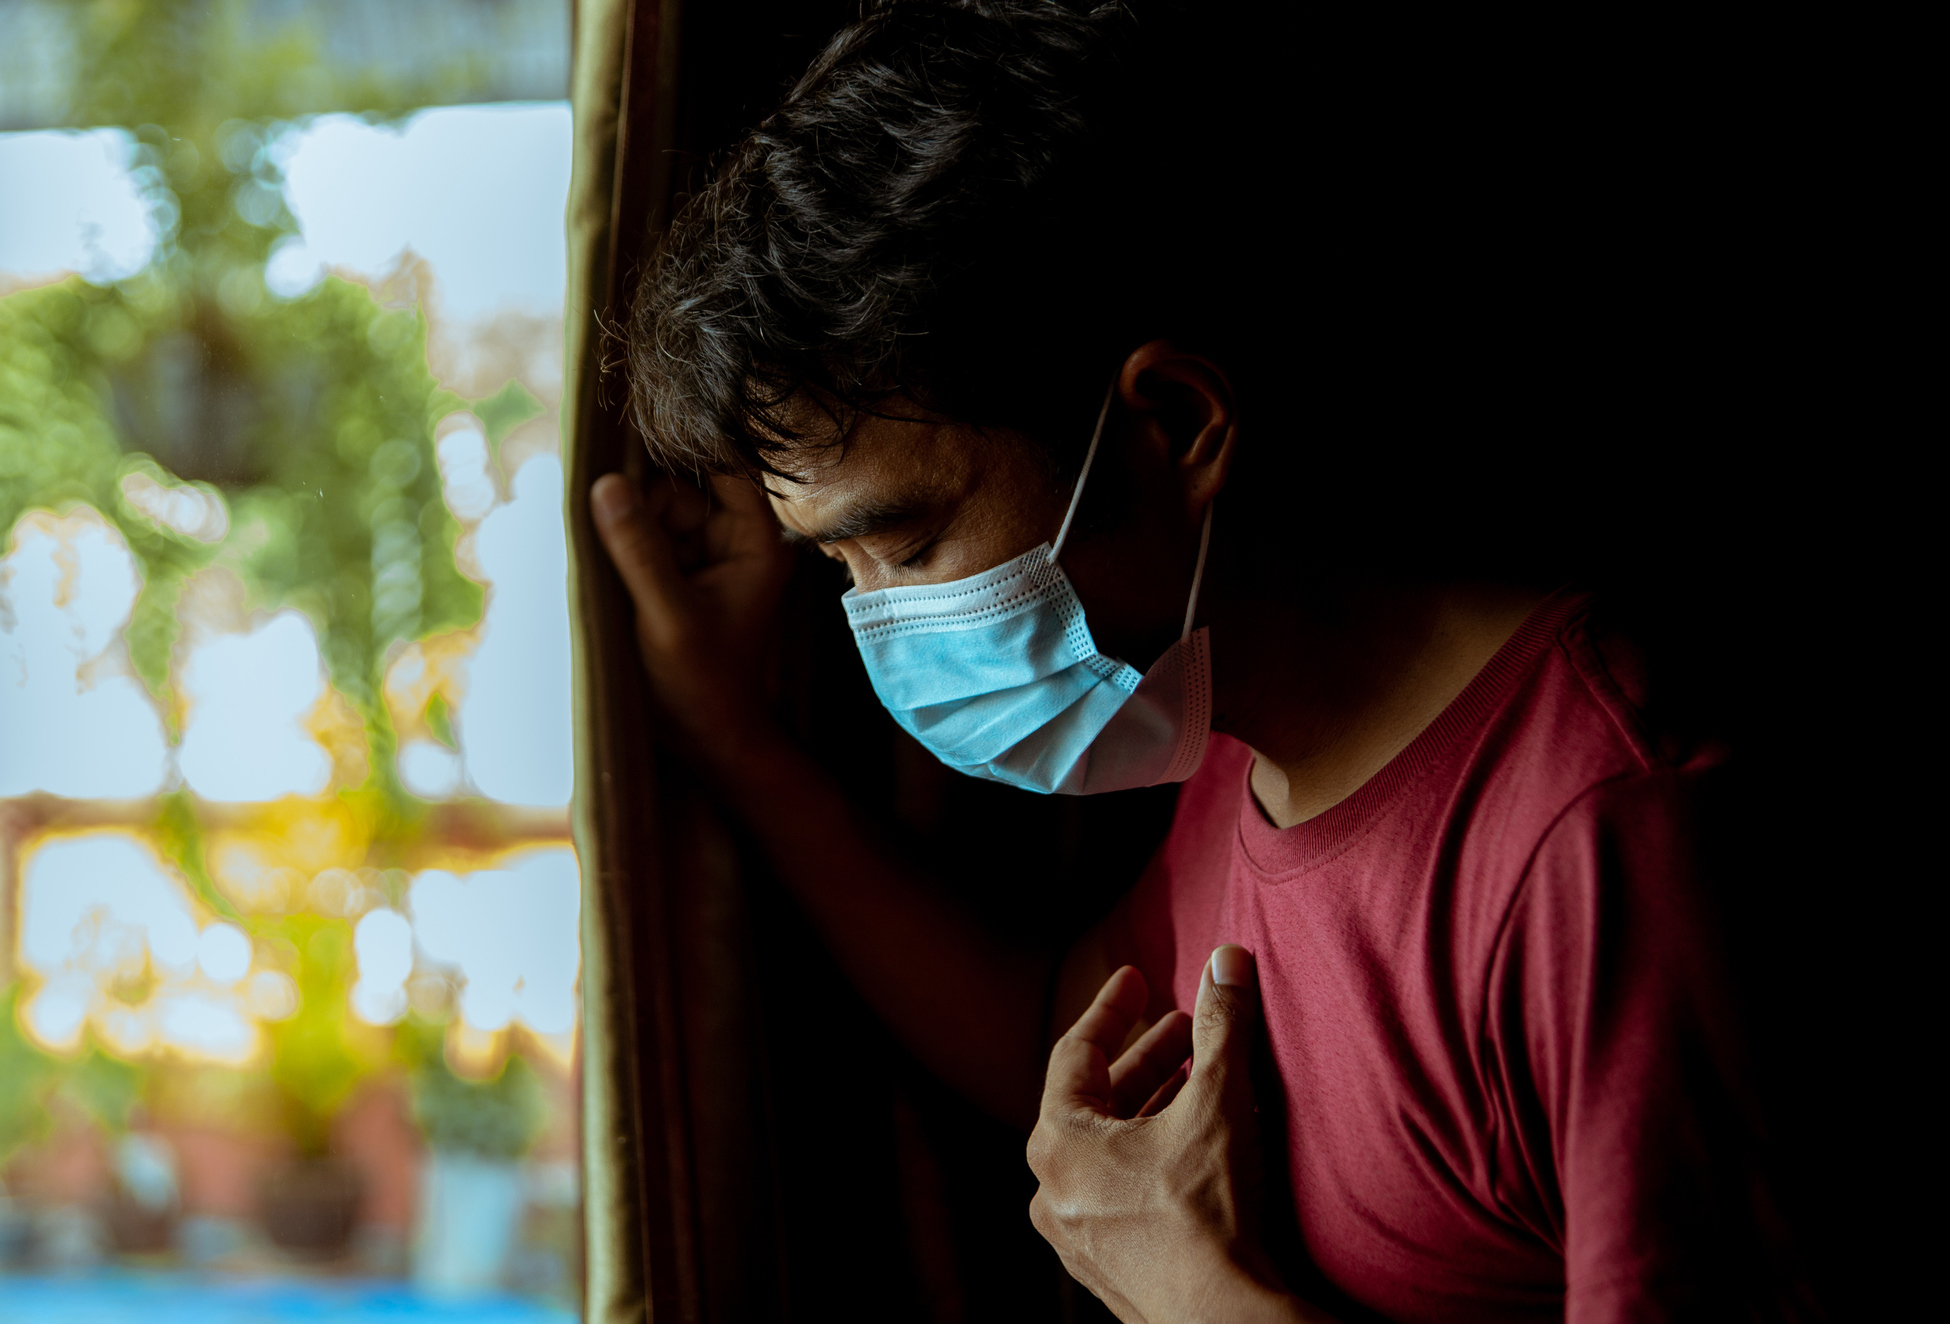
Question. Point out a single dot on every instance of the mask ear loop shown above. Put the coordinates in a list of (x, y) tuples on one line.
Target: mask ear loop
[(1076, 497), (1198, 571)]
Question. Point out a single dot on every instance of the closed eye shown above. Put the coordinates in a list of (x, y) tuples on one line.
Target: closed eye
[(921, 554)]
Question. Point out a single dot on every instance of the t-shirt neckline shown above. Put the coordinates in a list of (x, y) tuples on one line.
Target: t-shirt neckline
[(1308, 845)]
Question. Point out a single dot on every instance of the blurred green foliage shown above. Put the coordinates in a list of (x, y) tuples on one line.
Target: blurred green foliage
[(319, 1056), (505, 410), (100, 1086), (179, 836), (333, 491), (314, 419), (104, 1087), (27, 1077), (498, 1117)]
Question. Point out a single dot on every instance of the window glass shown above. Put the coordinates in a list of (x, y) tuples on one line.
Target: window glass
[(288, 905)]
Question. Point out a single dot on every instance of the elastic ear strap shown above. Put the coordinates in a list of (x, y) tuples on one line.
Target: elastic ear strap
[(1198, 573), (1076, 497)]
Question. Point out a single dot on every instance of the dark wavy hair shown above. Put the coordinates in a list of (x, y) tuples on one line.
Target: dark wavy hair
[(977, 206)]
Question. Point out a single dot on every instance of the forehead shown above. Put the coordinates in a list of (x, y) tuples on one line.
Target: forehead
[(885, 463)]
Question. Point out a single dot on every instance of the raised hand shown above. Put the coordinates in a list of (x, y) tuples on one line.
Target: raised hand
[(1148, 1172), (705, 567)]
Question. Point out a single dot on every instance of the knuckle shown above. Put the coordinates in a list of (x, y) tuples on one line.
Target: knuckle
[(1039, 1216), (679, 637), (671, 633), (1041, 1151), (626, 535), (1206, 1081), (1216, 1013)]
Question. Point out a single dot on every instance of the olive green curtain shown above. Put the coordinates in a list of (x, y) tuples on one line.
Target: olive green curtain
[(700, 1192), (640, 1219)]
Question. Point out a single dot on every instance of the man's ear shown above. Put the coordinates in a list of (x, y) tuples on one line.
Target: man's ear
[(1181, 405)]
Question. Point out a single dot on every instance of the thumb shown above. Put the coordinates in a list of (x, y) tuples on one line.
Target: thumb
[(1222, 1023)]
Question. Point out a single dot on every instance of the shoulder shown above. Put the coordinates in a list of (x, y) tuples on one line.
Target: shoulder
[(1613, 892), (1566, 772), (1619, 873), (1576, 737), (1603, 658)]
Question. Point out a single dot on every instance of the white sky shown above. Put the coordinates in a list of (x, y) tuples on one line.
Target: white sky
[(68, 203), (478, 191), (511, 934), (515, 723), (248, 697), (73, 719)]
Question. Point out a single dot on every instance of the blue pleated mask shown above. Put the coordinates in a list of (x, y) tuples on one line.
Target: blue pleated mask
[(998, 677)]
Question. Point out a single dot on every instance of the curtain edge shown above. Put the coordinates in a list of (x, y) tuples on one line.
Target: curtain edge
[(617, 1287)]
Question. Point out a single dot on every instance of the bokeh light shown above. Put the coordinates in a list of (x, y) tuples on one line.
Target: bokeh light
[(384, 943), (465, 480), (195, 510), (224, 953), (113, 936)]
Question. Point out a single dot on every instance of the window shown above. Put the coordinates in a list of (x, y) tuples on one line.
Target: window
[(288, 948)]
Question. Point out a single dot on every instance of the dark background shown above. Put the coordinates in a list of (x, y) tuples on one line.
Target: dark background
[(1581, 278)]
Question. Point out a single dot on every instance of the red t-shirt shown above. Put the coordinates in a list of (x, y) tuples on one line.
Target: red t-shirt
[(1501, 1024)]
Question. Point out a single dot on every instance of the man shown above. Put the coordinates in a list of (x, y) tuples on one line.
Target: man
[(991, 312)]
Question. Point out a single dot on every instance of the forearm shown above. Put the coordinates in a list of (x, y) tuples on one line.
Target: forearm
[(1234, 1295), (968, 1006), (1257, 1304)]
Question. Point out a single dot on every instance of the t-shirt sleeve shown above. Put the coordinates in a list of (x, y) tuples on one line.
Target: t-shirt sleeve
[(1613, 1021)]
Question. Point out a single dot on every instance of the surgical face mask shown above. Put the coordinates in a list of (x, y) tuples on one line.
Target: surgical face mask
[(998, 676)]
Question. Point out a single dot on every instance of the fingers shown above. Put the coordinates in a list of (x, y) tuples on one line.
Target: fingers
[(641, 549), (1166, 1092), (744, 522), (1150, 1063), (681, 509), (1115, 1010), (1222, 1024), (1079, 1065)]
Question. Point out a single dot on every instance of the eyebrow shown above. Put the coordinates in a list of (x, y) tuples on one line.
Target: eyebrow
[(864, 520)]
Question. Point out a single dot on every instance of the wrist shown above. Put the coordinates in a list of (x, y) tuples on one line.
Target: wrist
[(753, 761), (1234, 1287)]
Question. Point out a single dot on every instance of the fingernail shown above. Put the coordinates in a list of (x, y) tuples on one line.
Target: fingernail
[(1232, 966), (612, 498)]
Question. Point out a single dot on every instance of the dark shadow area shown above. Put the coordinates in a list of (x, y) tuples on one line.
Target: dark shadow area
[(895, 1198), (1603, 379), (899, 1196)]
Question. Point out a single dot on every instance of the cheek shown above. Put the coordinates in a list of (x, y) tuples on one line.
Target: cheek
[(862, 571), (1133, 593)]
